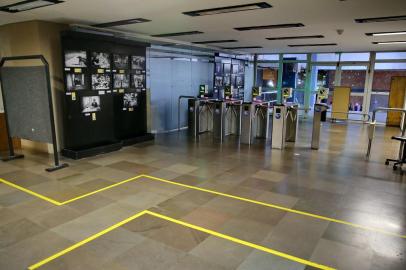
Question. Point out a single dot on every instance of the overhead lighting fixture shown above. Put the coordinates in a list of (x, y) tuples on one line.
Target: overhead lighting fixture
[(28, 5), (178, 34), (274, 26), (228, 9), (313, 45), (122, 22), (381, 19), (389, 42), (215, 41), (242, 47), (378, 34), (295, 37)]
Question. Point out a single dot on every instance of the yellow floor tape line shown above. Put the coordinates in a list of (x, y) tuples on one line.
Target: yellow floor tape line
[(282, 208), (182, 223)]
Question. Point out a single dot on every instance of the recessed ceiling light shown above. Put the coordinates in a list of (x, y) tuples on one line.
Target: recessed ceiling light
[(28, 5), (215, 41), (296, 37), (274, 26), (229, 9), (313, 45), (122, 22), (378, 34), (179, 34), (242, 47), (381, 19), (389, 42)]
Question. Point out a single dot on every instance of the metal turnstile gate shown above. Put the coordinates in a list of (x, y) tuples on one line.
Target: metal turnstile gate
[(318, 110)]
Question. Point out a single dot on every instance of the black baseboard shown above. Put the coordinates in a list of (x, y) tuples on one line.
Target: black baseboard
[(89, 152), (139, 139)]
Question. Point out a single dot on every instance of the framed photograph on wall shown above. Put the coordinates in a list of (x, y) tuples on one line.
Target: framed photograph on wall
[(218, 81), (75, 59), (138, 81), (218, 68), (239, 81), (226, 80), (120, 61), (121, 81), (101, 81), (100, 60), (137, 62), (241, 68), (75, 81), (227, 69), (91, 104), (235, 69), (130, 100)]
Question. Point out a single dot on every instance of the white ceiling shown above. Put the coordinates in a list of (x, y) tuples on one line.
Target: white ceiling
[(320, 17)]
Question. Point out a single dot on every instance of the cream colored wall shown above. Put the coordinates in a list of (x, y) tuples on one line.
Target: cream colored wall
[(38, 37)]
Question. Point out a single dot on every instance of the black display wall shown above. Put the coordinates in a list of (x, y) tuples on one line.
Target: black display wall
[(229, 72), (105, 98)]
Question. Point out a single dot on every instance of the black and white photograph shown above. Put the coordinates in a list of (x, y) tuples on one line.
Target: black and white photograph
[(101, 81), (75, 81), (130, 100), (100, 60), (233, 80), (227, 80), (121, 81), (91, 104), (218, 81), (241, 68), (75, 59), (239, 81), (235, 69), (218, 68), (137, 62), (138, 81), (120, 61), (227, 68)]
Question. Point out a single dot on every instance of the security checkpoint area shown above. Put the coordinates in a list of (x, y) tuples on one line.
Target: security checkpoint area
[(215, 135)]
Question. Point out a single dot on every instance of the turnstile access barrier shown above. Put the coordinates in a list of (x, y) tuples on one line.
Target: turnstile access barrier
[(318, 110), (200, 116), (254, 121)]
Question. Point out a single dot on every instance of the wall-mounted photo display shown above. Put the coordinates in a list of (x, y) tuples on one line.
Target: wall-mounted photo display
[(218, 68), (235, 69), (138, 81), (75, 81), (227, 68), (239, 81), (241, 68), (91, 104), (226, 80), (100, 60), (120, 61), (233, 80), (75, 59), (101, 81), (130, 100), (137, 62), (218, 81), (121, 81)]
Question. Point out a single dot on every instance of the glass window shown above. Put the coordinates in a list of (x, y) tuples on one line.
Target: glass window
[(295, 57), (267, 75), (294, 75), (325, 57), (384, 73), (354, 57), (297, 97), (268, 57), (354, 77), (390, 55)]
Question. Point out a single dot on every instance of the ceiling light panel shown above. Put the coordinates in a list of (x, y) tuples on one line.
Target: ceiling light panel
[(215, 41), (378, 34), (389, 42), (381, 19), (228, 9), (313, 45), (274, 26), (122, 22), (28, 5), (295, 37), (242, 47), (179, 34)]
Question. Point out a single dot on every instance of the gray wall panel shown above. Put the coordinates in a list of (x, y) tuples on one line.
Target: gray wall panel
[(26, 98)]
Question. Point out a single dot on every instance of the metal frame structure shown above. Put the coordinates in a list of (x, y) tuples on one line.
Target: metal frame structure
[(12, 154)]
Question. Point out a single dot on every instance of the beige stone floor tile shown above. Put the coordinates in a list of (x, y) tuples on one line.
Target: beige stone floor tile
[(206, 218), (94, 184), (181, 168), (32, 207), (192, 262), (132, 167), (7, 168), (77, 179), (18, 230), (245, 229), (260, 260), (57, 190), (55, 216), (110, 174), (269, 175), (165, 174), (278, 199), (14, 198), (8, 216), (144, 199), (25, 178), (227, 206), (91, 203)]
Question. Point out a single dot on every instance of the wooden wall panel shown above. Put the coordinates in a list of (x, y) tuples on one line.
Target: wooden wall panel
[(396, 100), (341, 101)]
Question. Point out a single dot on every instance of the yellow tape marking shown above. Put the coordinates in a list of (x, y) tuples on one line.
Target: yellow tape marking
[(208, 191), (216, 234)]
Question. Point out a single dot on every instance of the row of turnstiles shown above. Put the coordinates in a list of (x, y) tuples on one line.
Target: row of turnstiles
[(249, 120)]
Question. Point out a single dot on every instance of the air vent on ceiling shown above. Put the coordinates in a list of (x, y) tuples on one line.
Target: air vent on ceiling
[(228, 9), (389, 42), (313, 45), (242, 47), (215, 41), (378, 34), (296, 37), (179, 34), (381, 19), (274, 26), (122, 22), (28, 5)]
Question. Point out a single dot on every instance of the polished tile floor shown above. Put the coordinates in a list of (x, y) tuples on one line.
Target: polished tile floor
[(334, 182)]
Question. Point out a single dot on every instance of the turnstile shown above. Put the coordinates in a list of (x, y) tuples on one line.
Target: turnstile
[(292, 122), (193, 117), (279, 126), (219, 119), (200, 116), (254, 122), (319, 108), (232, 124)]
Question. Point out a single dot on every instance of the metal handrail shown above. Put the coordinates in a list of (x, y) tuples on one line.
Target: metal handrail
[(179, 102), (354, 113)]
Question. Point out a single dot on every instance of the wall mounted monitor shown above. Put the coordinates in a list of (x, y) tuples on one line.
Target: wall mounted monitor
[(227, 68), (218, 81), (101, 81), (138, 81), (120, 61), (75, 59), (91, 104), (130, 100), (100, 60), (121, 81), (137, 62), (75, 81)]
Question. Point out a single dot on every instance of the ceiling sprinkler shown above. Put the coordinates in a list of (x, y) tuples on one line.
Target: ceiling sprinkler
[(340, 31)]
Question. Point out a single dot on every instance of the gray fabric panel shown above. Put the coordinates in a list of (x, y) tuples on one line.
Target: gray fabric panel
[(26, 99)]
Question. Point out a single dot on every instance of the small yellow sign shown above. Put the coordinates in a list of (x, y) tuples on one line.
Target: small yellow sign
[(77, 70), (73, 95), (94, 116), (130, 109), (100, 70), (121, 90), (121, 71)]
